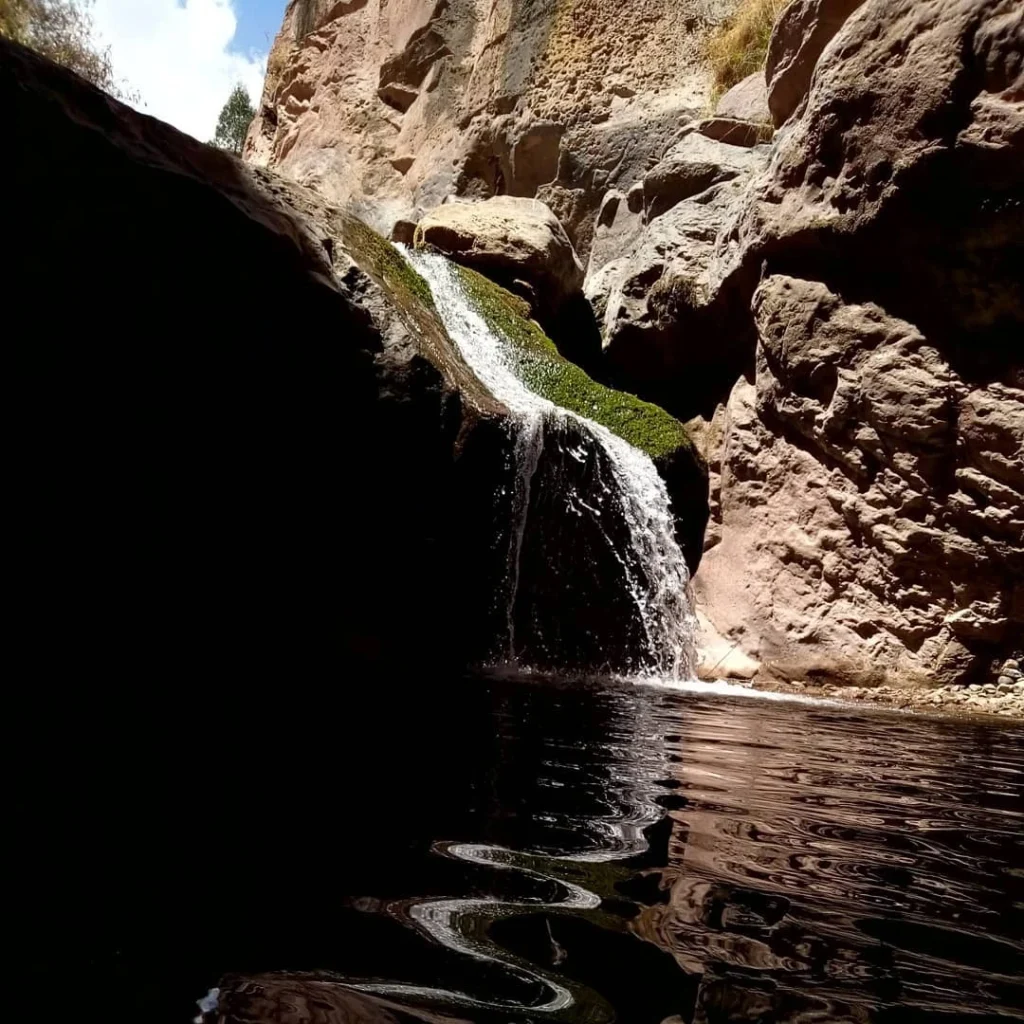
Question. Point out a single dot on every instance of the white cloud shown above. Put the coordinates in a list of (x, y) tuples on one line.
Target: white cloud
[(177, 57)]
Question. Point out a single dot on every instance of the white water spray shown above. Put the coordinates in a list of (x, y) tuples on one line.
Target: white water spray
[(659, 588)]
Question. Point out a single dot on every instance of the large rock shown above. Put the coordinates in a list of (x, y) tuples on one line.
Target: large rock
[(226, 428), (658, 303), (510, 240), (864, 531), (800, 35), (398, 104), (869, 481), (244, 429)]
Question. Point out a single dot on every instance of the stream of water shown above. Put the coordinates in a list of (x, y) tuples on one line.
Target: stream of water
[(651, 566)]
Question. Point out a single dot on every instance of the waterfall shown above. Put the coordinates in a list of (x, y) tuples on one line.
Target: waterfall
[(608, 493)]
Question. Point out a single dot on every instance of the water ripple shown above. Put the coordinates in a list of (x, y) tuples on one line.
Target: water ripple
[(653, 855)]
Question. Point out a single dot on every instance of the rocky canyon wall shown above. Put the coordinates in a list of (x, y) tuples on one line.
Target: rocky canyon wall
[(396, 104), (838, 308), (866, 281)]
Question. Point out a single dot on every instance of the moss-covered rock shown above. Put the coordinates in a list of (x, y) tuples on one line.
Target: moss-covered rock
[(539, 365), (411, 297)]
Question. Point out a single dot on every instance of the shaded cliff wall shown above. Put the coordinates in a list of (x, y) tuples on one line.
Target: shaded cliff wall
[(233, 458)]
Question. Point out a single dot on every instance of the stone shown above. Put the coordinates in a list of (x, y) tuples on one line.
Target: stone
[(746, 101), (404, 232), (801, 34), (507, 239), (248, 999), (657, 304), (692, 166), (250, 416)]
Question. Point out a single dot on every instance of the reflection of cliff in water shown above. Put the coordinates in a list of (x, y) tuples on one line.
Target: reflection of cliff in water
[(823, 871)]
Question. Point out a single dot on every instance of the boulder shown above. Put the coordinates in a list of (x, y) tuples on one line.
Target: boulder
[(800, 36), (746, 101), (244, 425), (869, 472), (223, 419), (520, 244), (665, 320), (507, 239)]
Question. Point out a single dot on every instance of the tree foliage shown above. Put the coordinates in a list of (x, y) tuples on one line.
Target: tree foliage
[(63, 31), (234, 121)]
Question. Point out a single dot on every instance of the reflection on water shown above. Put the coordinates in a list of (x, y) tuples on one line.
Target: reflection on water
[(648, 856)]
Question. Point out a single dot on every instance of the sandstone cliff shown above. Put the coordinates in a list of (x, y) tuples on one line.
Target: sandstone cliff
[(866, 283), (397, 104)]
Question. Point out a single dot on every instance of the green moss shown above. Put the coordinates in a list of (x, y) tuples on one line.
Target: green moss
[(410, 295), (382, 261), (541, 367)]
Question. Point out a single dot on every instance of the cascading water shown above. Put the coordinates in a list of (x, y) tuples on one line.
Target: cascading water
[(603, 482)]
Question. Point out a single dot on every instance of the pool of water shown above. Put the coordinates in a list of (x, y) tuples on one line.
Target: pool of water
[(495, 850)]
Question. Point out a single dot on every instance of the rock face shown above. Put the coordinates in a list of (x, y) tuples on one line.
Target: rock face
[(249, 439), (398, 104), (226, 442), (659, 301), (871, 471), (802, 32)]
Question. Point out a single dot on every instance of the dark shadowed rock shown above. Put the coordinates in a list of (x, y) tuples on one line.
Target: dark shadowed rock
[(229, 431), (249, 444)]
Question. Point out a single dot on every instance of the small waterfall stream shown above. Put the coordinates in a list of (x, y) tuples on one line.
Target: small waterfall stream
[(602, 480)]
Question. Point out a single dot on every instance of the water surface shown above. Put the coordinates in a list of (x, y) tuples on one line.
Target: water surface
[(497, 850), (627, 854)]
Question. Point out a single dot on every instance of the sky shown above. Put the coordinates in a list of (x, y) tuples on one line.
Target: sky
[(183, 57)]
